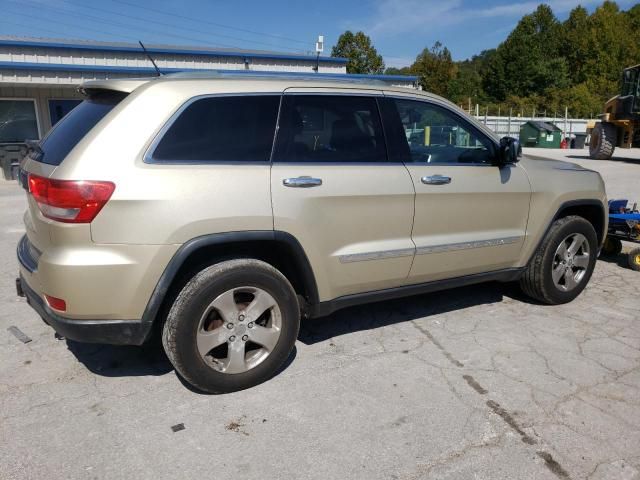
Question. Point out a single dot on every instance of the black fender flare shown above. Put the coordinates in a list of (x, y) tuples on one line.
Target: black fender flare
[(168, 276), (587, 202)]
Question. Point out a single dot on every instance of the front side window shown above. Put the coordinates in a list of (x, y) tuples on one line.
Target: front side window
[(330, 128), (436, 135), (18, 121), (222, 129)]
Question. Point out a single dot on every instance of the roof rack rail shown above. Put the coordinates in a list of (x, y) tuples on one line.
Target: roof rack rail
[(337, 77)]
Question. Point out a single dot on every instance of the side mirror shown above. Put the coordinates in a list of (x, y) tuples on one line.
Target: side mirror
[(510, 151)]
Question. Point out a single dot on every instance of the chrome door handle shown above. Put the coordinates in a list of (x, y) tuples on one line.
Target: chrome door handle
[(436, 180), (302, 182)]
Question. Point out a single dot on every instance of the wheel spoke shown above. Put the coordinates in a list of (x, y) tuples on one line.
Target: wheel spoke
[(562, 250), (581, 261), (557, 273), (267, 337), (207, 341), (570, 280), (262, 302), (235, 361), (225, 304), (576, 243)]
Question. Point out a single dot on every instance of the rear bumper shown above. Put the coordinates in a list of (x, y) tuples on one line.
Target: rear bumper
[(115, 332)]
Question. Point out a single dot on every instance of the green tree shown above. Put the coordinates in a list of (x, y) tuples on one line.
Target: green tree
[(398, 71), (435, 69), (467, 84), (576, 43), (358, 49), (529, 61)]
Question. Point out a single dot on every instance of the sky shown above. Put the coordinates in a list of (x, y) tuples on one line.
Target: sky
[(399, 29)]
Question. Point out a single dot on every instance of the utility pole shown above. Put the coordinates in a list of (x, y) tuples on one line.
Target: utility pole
[(319, 49)]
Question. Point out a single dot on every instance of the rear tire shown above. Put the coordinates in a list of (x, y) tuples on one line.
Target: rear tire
[(634, 259), (232, 326), (555, 275), (603, 141)]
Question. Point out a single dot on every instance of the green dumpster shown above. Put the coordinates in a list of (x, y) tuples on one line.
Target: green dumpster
[(540, 134)]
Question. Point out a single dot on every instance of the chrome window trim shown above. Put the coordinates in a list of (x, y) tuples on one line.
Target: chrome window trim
[(147, 157)]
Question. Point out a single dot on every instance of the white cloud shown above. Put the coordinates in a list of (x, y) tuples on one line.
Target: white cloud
[(394, 17)]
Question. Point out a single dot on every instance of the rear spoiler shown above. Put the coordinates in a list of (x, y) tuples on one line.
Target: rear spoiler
[(125, 85)]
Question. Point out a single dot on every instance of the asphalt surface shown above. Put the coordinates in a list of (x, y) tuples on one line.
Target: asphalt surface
[(470, 383)]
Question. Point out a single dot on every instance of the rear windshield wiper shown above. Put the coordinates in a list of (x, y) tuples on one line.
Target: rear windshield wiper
[(34, 150)]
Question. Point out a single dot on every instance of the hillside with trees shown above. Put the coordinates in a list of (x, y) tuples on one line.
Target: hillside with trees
[(543, 65)]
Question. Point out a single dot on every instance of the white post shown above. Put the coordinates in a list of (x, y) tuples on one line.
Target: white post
[(509, 124), (566, 114)]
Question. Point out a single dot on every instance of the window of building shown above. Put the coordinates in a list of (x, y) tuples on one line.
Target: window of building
[(222, 129), (59, 108), (18, 121), (330, 128)]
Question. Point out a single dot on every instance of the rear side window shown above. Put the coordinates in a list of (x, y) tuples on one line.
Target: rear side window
[(74, 126), (222, 129), (330, 128)]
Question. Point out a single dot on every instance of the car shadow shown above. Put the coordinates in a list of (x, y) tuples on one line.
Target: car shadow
[(135, 361), (150, 359), (620, 260), (616, 158), (120, 360), (381, 314)]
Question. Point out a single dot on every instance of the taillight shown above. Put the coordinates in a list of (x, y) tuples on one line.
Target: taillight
[(70, 201)]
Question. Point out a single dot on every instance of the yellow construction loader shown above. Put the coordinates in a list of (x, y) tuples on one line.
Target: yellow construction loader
[(619, 125)]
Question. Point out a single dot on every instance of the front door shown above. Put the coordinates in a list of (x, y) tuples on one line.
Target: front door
[(334, 189), (471, 215)]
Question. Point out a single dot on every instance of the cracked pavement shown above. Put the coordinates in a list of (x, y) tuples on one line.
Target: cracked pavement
[(475, 382)]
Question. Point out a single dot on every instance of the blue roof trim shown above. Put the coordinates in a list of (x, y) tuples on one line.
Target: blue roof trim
[(151, 71), (168, 51)]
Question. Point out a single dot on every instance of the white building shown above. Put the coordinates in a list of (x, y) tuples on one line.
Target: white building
[(39, 77)]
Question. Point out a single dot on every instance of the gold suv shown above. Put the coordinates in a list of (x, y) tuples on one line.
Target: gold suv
[(221, 209)]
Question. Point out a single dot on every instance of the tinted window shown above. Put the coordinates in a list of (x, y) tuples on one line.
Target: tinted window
[(18, 121), (59, 108), (328, 128), (436, 135), (74, 126), (226, 129)]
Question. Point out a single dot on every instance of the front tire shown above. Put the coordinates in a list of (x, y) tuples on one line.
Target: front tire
[(603, 141), (232, 326), (562, 266)]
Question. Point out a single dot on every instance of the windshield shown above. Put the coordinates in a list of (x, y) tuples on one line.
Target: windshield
[(74, 126)]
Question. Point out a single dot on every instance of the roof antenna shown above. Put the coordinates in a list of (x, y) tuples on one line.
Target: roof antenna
[(150, 59)]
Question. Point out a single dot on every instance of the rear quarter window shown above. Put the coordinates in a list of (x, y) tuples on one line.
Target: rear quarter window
[(68, 132), (221, 129)]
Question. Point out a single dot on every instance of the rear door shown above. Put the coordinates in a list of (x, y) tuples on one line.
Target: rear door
[(470, 215), (335, 190)]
